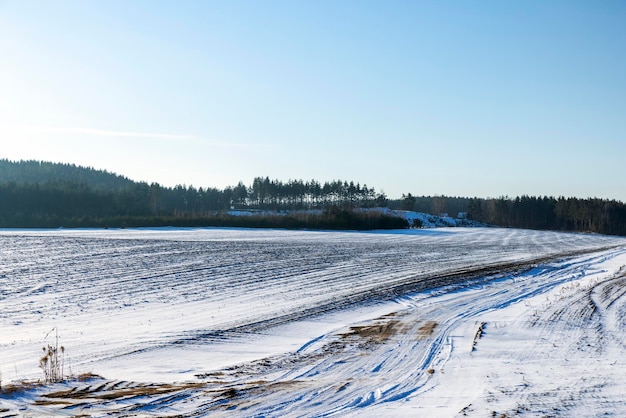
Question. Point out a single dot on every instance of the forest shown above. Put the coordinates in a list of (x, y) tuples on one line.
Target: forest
[(50, 195), (529, 212), (45, 194)]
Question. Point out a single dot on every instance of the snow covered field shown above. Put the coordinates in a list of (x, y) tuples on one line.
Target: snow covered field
[(440, 322)]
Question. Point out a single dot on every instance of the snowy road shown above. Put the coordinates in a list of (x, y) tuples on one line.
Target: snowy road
[(201, 307)]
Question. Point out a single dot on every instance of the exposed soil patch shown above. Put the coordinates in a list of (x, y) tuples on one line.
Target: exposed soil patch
[(479, 334), (427, 329), (377, 333), (238, 395)]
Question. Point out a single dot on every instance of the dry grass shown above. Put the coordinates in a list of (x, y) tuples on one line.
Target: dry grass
[(45, 402), (83, 377), (118, 393), (18, 387), (53, 361)]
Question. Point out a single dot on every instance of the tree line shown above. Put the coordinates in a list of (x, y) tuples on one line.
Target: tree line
[(67, 204), (596, 215), (53, 195), (601, 216), (43, 194)]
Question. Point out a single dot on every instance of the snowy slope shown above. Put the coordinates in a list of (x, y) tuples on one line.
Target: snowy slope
[(242, 319), (427, 220)]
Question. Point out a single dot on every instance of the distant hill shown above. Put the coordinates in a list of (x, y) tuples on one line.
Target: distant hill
[(45, 194), (42, 172)]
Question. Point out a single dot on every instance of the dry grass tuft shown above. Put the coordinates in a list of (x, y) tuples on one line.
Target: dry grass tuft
[(53, 361)]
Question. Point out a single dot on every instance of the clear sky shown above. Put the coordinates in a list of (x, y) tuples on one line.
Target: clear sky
[(464, 98)]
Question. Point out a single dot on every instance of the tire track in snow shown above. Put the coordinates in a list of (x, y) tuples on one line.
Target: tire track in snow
[(257, 288), (406, 353)]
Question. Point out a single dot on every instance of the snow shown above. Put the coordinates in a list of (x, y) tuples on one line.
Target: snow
[(527, 360), (427, 220), (285, 323)]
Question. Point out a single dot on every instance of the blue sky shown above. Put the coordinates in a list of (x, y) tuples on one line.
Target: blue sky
[(465, 98)]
